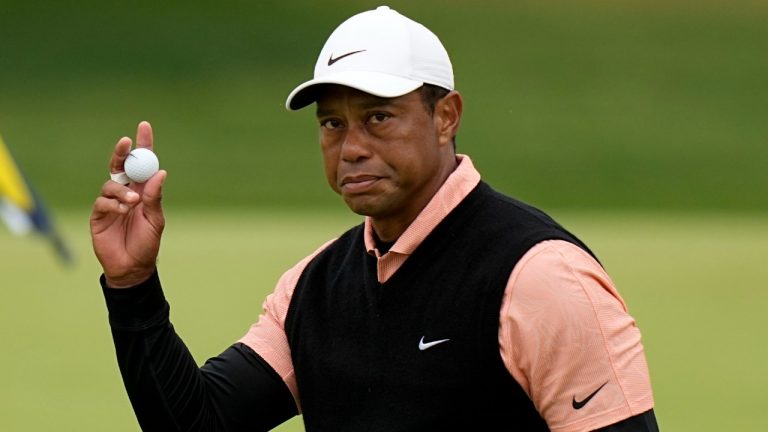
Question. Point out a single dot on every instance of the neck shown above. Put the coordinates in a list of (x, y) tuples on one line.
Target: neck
[(389, 228)]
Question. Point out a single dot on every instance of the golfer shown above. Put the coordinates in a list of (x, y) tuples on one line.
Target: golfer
[(450, 307)]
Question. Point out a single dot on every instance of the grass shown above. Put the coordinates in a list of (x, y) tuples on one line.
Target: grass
[(631, 104), (692, 281)]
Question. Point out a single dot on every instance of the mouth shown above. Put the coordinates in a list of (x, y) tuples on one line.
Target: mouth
[(358, 184)]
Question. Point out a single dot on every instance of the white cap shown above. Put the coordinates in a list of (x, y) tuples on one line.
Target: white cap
[(379, 52)]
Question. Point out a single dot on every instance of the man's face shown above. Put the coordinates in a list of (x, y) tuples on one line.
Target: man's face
[(383, 156)]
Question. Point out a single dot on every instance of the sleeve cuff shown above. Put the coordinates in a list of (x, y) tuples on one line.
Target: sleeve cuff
[(136, 308)]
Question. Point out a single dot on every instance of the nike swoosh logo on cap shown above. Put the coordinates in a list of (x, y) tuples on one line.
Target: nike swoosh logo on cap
[(426, 345), (332, 60), (580, 404)]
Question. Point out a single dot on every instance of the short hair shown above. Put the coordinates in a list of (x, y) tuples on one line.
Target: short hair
[(430, 94)]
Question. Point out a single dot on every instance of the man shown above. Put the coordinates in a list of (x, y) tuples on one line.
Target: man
[(452, 307)]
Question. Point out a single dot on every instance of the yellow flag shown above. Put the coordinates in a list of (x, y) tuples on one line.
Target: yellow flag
[(21, 208), (13, 188)]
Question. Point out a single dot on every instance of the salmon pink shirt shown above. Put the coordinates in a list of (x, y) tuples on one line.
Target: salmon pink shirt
[(565, 333)]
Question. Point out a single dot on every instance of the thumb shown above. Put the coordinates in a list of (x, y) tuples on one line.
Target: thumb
[(152, 198)]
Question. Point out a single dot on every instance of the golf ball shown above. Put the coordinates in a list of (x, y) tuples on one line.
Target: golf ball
[(141, 164)]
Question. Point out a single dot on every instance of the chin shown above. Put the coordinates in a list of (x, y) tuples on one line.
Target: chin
[(362, 206)]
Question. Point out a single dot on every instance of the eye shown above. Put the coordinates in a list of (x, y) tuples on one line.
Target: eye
[(378, 117), (331, 124)]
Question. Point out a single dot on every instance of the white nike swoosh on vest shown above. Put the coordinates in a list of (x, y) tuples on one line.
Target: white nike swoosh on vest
[(426, 345)]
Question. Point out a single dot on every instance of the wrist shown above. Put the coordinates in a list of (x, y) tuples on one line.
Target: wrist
[(128, 280), (136, 309)]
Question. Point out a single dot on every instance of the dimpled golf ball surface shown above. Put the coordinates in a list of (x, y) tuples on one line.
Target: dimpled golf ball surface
[(141, 164)]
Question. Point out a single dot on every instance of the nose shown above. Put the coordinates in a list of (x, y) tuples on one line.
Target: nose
[(355, 146)]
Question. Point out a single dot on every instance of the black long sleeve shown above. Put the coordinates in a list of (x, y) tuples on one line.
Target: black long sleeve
[(644, 422), (234, 391)]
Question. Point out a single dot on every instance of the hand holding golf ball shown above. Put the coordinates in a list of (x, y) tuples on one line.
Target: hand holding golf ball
[(141, 164), (127, 220)]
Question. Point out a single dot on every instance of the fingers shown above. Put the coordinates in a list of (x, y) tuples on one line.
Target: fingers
[(119, 192), (115, 199), (144, 135), (122, 148), (152, 195), (104, 206), (119, 198)]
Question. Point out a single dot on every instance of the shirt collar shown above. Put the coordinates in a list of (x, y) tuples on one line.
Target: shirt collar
[(456, 187)]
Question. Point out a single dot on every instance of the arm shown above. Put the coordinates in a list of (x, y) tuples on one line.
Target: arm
[(235, 391), (166, 388), (645, 422), (566, 336)]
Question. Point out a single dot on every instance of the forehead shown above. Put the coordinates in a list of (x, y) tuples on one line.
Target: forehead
[(331, 97)]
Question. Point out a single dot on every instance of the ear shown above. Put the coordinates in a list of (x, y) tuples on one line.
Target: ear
[(448, 116)]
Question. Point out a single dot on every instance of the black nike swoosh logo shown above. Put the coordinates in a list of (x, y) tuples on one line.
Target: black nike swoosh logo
[(332, 60), (580, 404)]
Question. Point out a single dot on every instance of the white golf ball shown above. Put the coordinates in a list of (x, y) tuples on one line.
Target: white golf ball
[(141, 164)]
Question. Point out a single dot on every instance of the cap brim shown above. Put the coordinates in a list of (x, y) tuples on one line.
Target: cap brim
[(377, 84)]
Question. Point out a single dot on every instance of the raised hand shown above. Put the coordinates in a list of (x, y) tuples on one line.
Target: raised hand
[(127, 221)]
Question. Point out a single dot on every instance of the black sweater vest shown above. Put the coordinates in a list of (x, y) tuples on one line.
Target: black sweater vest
[(355, 343)]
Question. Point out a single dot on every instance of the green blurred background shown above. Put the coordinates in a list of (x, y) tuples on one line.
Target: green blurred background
[(640, 125)]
